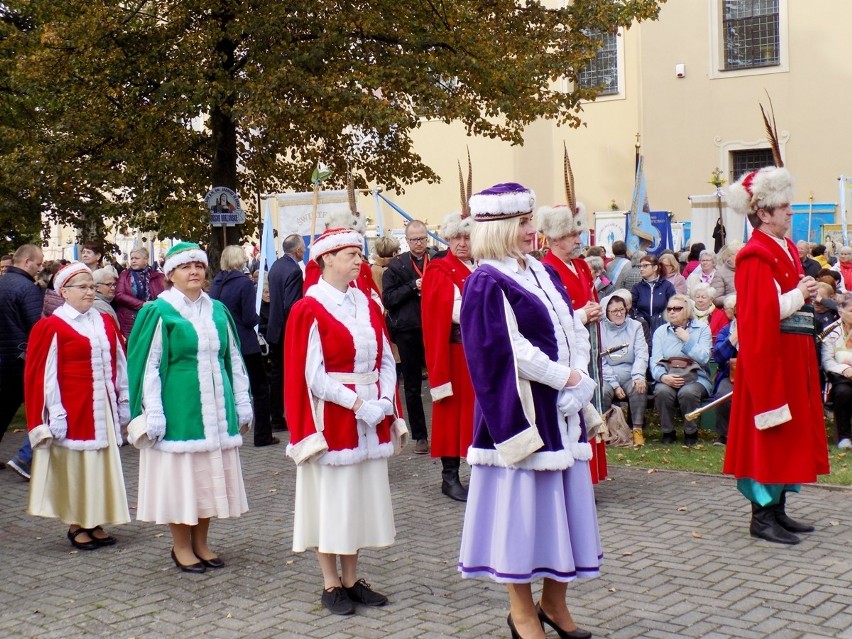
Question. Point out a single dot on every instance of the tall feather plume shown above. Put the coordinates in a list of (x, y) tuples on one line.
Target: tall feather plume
[(462, 194), (350, 193), (570, 194), (469, 193), (772, 132)]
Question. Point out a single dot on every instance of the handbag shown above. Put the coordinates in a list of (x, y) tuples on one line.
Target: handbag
[(684, 367), (264, 345)]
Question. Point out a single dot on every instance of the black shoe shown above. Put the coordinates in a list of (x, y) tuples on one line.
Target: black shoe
[(271, 442), (82, 545), (196, 568), (577, 633), (279, 427), (361, 592), (216, 562), (790, 525), (337, 601), (669, 438), (765, 526), (454, 490), (106, 540), (512, 629), (690, 440)]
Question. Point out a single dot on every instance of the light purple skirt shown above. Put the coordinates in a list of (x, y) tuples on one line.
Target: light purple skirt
[(522, 525)]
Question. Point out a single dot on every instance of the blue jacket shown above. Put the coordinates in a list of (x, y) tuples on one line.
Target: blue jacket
[(723, 352), (667, 344), (236, 291), (650, 299), (21, 302)]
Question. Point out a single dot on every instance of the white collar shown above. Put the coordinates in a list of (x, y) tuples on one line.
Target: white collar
[(510, 264), (175, 298), (335, 295)]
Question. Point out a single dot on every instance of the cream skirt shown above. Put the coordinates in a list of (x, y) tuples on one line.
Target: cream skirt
[(83, 487), (181, 488), (341, 509)]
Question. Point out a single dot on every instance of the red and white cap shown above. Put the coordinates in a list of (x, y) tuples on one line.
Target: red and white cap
[(766, 188), (67, 272), (334, 240)]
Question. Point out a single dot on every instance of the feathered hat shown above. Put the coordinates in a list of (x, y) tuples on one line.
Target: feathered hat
[(456, 224), (350, 219), (558, 221), (766, 188)]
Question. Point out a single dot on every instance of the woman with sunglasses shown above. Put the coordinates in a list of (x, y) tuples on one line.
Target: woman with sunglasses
[(76, 381), (680, 354)]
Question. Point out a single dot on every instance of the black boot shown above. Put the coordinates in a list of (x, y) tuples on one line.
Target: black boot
[(451, 485), (765, 526), (788, 524)]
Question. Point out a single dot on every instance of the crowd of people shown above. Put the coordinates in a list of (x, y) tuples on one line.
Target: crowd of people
[(523, 352)]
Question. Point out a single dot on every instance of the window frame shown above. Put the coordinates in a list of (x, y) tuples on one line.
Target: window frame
[(717, 44)]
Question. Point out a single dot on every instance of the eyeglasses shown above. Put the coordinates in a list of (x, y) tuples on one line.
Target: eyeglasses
[(419, 240), (86, 288), (674, 309), (108, 285), (645, 265), (617, 311)]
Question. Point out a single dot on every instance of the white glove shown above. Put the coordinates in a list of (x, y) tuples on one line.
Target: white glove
[(571, 400), (123, 414), (58, 427), (386, 405), (245, 417), (371, 412), (156, 425)]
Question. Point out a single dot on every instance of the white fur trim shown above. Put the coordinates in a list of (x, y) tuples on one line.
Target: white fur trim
[(517, 448), (558, 221), (184, 257), (307, 449), (350, 456), (455, 226), (335, 239), (442, 392), (67, 272), (548, 460), (773, 417), (581, 451), (495, 207), (770, 187), (40, 436)]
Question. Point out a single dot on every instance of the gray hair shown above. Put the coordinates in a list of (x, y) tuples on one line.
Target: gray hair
[(292, 243), (730, 301), (705, 288), (709, 254), (102, 274), (595, 263), (637, 257)]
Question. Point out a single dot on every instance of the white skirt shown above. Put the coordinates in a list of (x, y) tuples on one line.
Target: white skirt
[(181, 488), (341, 509), (83, 487)]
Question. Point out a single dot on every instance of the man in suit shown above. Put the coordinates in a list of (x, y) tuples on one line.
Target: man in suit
[(285, 289), (401, 284)]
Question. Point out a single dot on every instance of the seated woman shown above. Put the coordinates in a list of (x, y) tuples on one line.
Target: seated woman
[(837, 363), (705, 311), (670, 270), (624, 370), (680, 354), (702, 275)]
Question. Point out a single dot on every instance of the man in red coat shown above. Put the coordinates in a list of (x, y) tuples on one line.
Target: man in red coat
[(449, 379), (776, 438), (562, 227)]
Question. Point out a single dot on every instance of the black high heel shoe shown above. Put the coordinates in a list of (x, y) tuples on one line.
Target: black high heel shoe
[(512, 628), (578, 633), (196, 568)]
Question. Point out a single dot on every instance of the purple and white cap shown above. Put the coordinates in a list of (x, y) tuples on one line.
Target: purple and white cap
[(501, 202)]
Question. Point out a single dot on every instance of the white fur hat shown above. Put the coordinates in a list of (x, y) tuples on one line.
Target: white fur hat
[(334, 240), (343, 219), (183, 253), (502, 201), (455, 225), (67, 272), (557, 221), (768, 187)]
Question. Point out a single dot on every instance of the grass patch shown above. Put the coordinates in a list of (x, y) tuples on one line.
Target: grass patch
[(707, 458)]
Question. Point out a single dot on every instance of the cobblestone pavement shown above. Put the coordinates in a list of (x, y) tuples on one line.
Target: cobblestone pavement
[(679, 563)]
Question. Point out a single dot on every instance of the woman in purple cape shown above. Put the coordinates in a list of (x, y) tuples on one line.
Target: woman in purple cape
[(531, 510)]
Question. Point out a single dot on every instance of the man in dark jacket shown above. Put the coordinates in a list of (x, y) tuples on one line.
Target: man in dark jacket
[(401, 283), (21, 301), (285, 289)]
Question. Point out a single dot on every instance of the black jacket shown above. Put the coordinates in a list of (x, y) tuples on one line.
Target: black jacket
[(236, 291), (21, 301), (401, 296), (285, 289)]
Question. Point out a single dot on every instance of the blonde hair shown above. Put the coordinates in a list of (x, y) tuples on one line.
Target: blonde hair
[(141, 250), (496, 239), (386, 246), (668, 261), (233, 258), (688, 304)]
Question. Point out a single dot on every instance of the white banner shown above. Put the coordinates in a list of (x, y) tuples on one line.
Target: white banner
[(609, 227), (705, 212), (294, 211)]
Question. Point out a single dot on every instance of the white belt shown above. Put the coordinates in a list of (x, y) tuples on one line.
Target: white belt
[(356, 378)]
